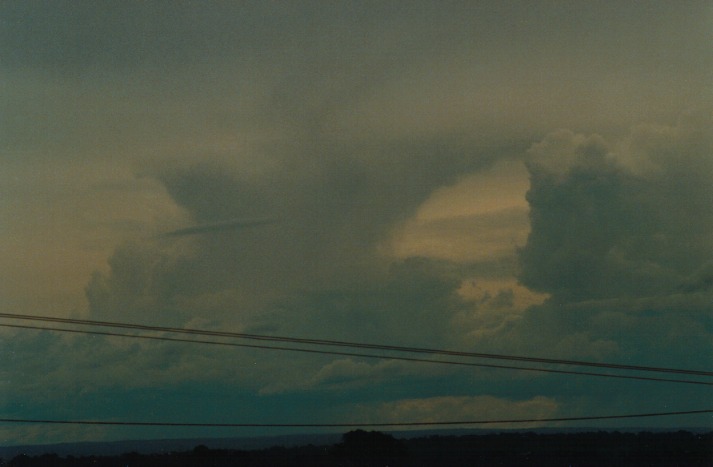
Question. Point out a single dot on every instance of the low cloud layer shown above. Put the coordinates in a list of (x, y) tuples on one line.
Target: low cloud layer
[(466, 408)]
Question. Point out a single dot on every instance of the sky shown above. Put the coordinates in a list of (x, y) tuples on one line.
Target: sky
[(509, 177)]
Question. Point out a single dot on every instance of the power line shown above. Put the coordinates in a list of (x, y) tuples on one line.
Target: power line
[(323, 342), (362, 355), (354, 425)]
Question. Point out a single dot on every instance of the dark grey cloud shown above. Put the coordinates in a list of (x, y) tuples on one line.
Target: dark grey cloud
[(336, 208), (107, 32), (67, 35), (89, 79), (414, 303), (621, 240), (700, 280), (608, 221)]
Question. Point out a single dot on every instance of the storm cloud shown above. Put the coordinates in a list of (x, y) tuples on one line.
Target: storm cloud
[(623, 220), (518, 177)]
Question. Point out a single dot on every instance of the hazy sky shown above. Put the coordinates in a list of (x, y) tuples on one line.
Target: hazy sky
[(526, 178)]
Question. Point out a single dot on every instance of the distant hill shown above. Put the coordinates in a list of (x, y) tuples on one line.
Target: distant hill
[(161, 446), (582, 448), (114, 448)]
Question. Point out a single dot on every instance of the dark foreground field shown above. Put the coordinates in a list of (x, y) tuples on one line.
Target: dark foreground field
[(361, 448)]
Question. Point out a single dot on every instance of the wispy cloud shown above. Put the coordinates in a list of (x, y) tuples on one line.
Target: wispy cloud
[(216, 227)]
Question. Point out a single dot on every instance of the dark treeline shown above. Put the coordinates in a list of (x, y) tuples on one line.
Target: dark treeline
[(361, 448)]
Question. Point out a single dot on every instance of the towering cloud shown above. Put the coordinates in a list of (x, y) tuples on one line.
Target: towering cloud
[(625, 220)]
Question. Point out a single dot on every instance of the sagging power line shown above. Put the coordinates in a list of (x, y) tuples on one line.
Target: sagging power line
[(338, 343), (362, 355), (355, 425)]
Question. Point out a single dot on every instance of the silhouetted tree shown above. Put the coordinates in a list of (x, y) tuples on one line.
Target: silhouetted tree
[(362, 444), (201, 450), (21, 460)]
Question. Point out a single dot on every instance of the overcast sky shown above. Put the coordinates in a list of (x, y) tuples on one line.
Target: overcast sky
[(524, 178)]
